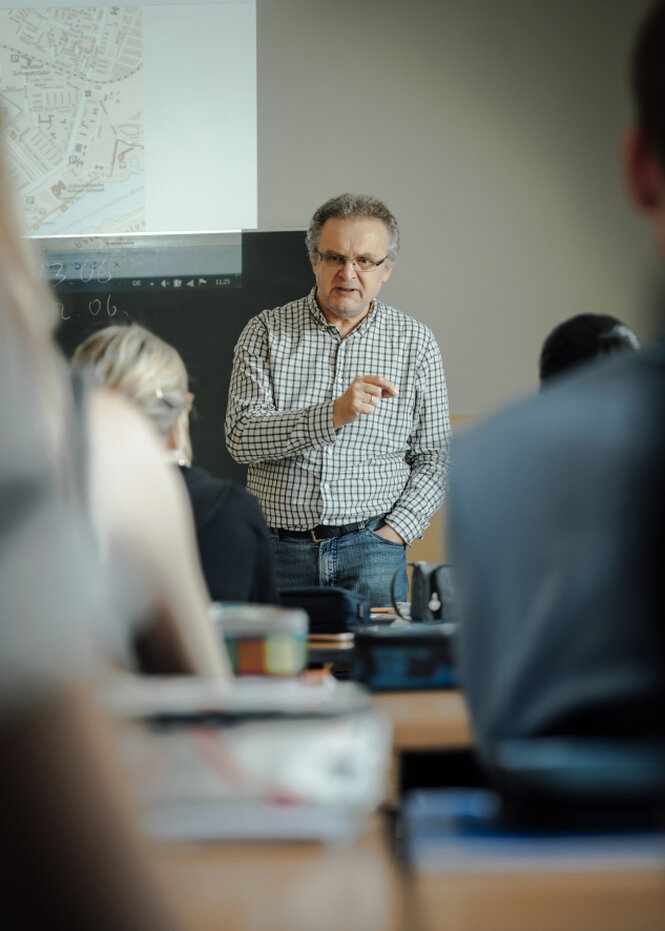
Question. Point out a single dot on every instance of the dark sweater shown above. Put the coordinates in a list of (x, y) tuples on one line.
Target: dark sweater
[(555, 525), (234, 542)]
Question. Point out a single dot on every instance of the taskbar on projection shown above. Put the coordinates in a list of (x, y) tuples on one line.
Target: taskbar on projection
[(161, 283)]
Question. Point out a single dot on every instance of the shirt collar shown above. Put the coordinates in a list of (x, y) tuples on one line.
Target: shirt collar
[(315, 310)]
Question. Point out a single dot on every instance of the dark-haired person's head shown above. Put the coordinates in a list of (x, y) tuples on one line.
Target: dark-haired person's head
[(581, 339), (644, 148)]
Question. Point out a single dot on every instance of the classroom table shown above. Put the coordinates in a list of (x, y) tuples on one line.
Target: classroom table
[(423, 722), (610, 900), (284, 886), (574, 901), (291, 886), (313, 887), (432, 720), (307, 886)]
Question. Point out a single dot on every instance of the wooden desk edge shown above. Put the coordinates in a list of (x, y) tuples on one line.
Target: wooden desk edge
[(436, 720)]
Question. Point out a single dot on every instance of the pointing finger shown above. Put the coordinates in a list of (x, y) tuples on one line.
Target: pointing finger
[(388, 390)]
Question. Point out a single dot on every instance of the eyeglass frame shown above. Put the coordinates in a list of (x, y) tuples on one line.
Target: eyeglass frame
[(347, 258)]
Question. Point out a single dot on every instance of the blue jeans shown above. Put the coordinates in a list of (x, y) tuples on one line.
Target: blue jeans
[(361, 562)]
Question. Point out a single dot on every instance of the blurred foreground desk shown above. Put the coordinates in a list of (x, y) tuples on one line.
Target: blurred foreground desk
[(611, 900), (285, 886), (310, 887), (362, 887), (307, 886), (423, 723), (436, 720)]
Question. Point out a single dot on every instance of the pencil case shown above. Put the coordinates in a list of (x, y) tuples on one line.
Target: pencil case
[(262, 640)]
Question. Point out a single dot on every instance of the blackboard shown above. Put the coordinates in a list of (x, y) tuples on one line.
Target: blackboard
[(197, 291)]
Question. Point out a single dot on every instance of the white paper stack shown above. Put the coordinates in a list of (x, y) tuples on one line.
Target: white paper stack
[(308, 773)]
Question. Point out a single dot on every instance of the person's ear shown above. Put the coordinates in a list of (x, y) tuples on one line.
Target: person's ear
[(643, 173), (173, 441)]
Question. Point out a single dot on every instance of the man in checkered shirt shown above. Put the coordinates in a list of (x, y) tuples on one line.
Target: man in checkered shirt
[(338, 403)]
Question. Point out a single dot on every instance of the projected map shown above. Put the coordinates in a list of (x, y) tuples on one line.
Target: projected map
[(71, 95)]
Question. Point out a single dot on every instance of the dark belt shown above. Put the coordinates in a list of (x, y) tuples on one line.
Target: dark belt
[(326, 531)]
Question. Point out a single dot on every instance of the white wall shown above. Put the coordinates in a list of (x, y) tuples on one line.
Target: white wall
[(491, 128)]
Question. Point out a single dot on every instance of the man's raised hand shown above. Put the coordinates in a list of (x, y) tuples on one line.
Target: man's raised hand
[(361, 397)]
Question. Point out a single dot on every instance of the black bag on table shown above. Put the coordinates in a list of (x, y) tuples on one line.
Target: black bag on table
[(331, 610)]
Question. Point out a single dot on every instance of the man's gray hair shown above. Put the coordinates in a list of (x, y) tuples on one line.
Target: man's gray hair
[(345, 206)]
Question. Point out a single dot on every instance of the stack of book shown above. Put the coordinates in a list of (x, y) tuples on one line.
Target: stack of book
[(252, 759)]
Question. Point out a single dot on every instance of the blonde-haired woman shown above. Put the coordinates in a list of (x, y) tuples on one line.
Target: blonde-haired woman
[(233, 538)]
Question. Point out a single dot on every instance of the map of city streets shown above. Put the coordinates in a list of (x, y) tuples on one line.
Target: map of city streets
[(71, 96)]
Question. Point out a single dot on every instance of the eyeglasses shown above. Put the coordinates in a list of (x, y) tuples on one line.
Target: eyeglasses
[(362, 263)]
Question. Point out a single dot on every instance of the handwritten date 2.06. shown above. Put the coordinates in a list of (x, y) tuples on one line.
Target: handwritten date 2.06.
[(96, 306)]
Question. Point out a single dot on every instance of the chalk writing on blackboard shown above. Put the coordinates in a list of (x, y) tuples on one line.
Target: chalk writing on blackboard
[(104, 307), (96, 305)]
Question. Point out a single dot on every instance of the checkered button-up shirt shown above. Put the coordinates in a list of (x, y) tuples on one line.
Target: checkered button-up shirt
[(290, 365)]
